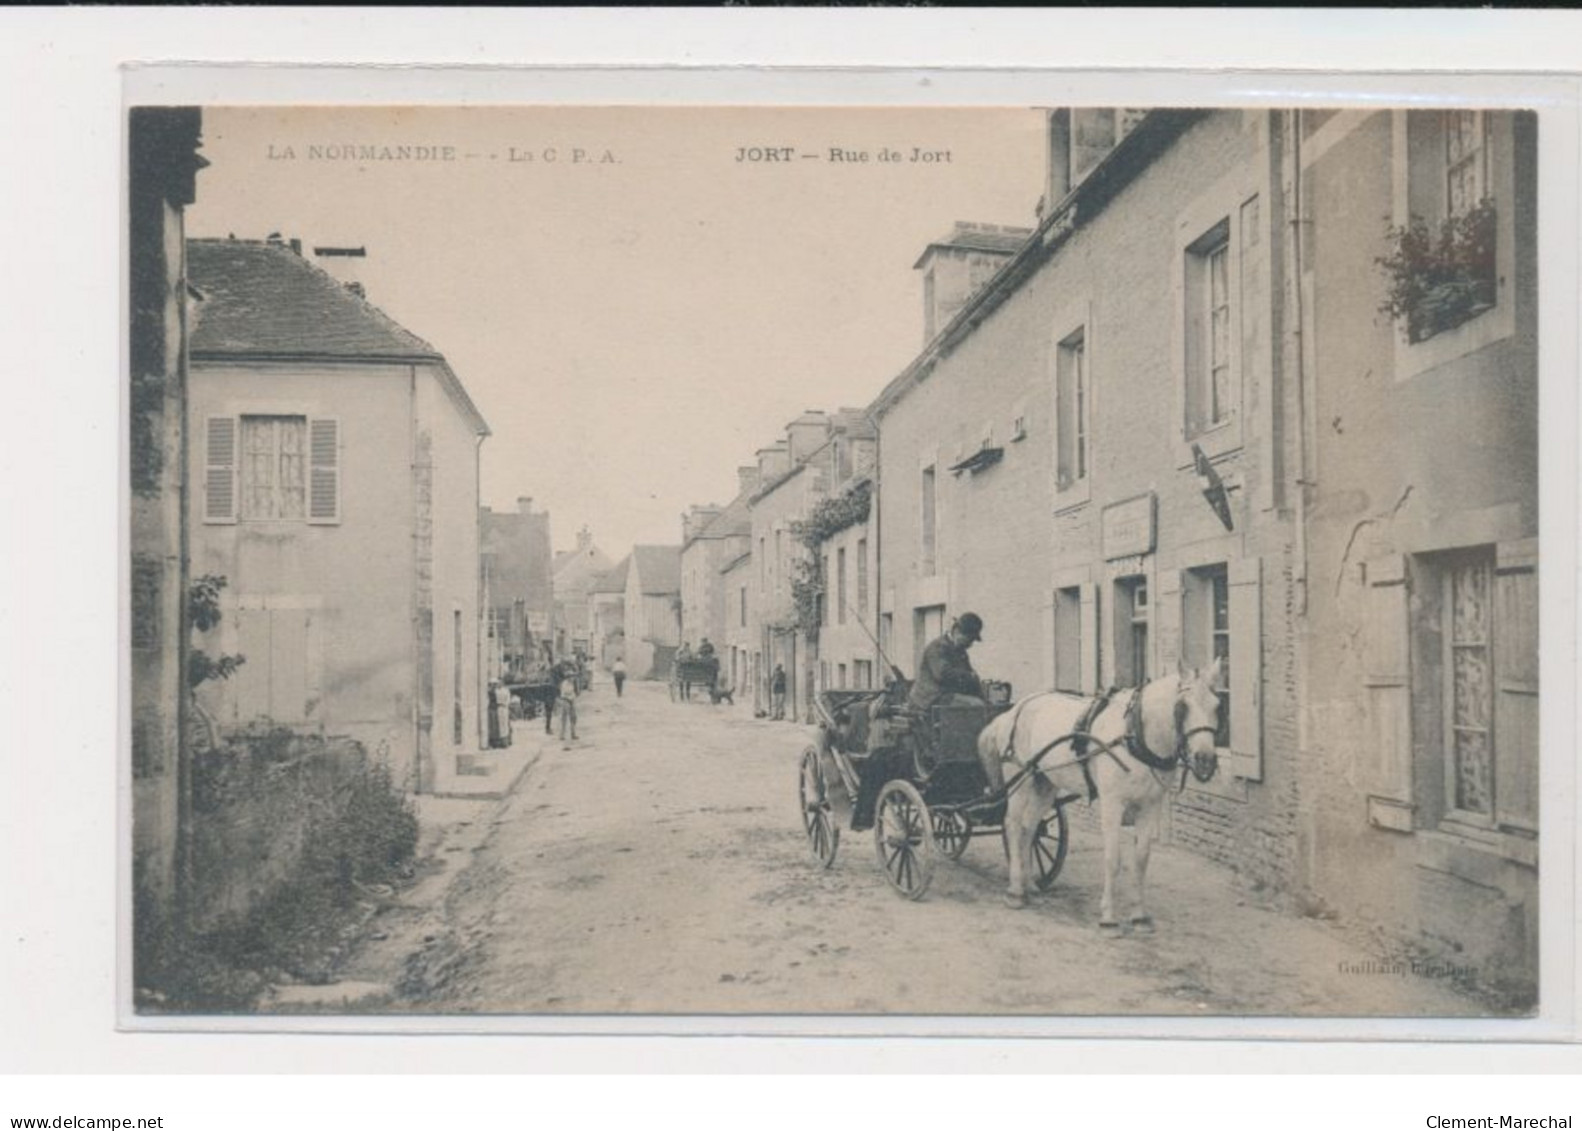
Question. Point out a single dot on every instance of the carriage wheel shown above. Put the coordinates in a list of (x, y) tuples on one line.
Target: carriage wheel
[(952, 832), (903, 837), (823, 836), (1049, 848)]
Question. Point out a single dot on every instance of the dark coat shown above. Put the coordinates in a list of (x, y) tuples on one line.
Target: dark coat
[(945, 670)]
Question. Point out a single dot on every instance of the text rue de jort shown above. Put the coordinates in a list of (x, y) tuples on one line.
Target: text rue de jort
[(838, 155)]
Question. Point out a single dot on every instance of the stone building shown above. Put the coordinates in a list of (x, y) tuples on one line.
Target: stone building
[(607, 598), (163, 166), (1180, 423), (336, 455), (576, 571), (518, 582), (790, 485), (652, 607), (711, 537), (847, 555)]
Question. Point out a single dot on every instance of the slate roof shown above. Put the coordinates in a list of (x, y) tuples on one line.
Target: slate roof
[(260, 298), (613, 580), (734, 519), (658, 569), (999, 238), (263, 301)]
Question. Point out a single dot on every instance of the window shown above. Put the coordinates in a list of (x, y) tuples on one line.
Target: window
[(1452, 672), (929, 519), (1469, 679), (1071, 411), (1209, 331), (862, 578), (1454, 185), (1206, 634), (1466, 177), (274, 484), (779, 561), (1068, 639), (1131, 631), (840, 587), (824, 593), (928, 625), (744, 606), (862, 674), (840, 676), (272, 468)]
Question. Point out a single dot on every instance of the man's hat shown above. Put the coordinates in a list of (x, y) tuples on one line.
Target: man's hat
[(971, 624)]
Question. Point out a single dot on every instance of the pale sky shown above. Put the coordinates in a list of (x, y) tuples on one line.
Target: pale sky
[(632, 329)]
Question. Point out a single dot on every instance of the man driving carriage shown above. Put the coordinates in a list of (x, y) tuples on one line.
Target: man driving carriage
[(944, 678)]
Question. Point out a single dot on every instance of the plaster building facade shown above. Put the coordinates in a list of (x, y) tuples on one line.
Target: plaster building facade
[(336, 456), (576, 572), (1420, 726), (711, 538), (653, 610), (607, 598)]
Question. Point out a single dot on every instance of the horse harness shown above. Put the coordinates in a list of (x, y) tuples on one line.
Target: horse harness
[(1132, 737)]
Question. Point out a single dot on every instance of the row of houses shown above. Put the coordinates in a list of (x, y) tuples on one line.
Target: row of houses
[(1258, 385)]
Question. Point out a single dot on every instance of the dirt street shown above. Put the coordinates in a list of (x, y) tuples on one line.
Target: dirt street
[(658, 865)]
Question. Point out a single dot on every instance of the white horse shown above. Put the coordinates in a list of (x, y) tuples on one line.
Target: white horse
[(1172, 730)]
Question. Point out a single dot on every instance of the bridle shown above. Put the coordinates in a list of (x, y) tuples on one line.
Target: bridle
[(1179, 758)]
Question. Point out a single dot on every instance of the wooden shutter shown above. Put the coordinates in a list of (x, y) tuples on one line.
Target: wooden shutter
[(1088, 635), (219, 469), (1246, 668), (324, 470), (1387, 684), (1165, 614), (1516, 684)]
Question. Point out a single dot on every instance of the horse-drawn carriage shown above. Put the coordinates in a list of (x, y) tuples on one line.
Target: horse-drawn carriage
[(1122, 748), (937, 797), (690, 672)]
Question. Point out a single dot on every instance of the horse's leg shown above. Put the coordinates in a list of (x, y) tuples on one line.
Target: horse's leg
[(1147, 833), (1111, 808), (1019, 824)]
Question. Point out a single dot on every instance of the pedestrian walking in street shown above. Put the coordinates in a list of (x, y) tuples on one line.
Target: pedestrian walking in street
[(618, 673), (777, 691), (567, 702)]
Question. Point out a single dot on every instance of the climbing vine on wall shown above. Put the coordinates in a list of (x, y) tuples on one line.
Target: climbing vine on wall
[(833, 515)]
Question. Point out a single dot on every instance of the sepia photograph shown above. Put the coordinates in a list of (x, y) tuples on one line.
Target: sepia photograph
[(642, 561)]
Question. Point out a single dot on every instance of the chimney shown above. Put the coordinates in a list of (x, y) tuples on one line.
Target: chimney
[(1057, 152), (344, 265), (584, 540), (696, 518), (806, 433), (956, 266), (773, 462), (524, 504), (747, 479)]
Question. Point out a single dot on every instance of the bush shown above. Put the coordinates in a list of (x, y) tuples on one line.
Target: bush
[(288, 829)]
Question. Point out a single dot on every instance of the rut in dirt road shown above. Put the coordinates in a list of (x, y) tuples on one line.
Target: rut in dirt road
[(659, 866)]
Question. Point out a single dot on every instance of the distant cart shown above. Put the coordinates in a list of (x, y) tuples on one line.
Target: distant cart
[(698, 672)]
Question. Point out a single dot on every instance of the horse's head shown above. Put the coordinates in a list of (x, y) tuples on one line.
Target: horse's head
[(1197, 720)]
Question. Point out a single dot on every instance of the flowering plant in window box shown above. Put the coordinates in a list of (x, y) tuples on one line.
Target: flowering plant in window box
[(1438, 280)]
